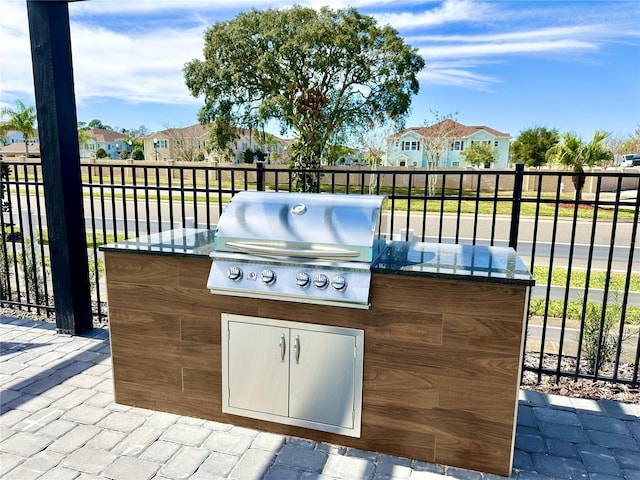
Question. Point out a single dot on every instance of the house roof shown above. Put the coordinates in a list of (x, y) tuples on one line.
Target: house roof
[(452, 129), (18, 148), (192, 131), (8, 133), (100, 135), (199, 130)]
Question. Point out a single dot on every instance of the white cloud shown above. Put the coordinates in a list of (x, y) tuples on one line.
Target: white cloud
[(494, 49), (155, 7), (15, 52), (447, 75), (136, 66), (142, 61), (451, 11)]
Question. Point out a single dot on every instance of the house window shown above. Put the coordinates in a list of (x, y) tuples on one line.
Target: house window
[(456, 145), (244, 146), (495, 144), (411, 145)]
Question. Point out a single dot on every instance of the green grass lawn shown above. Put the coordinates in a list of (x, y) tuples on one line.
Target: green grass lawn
[(574, 310), (597, 279)]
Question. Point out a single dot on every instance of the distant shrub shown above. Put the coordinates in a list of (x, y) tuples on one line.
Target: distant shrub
[(101, 153), (137, 154), (251, 156), (598, 343)]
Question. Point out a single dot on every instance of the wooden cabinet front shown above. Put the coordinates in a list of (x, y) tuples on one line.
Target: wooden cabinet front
[(441, 361)]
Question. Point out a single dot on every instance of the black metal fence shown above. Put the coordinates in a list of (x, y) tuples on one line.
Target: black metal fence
[(584, 312)]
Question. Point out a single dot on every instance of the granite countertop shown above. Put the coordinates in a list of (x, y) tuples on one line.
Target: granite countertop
[(455, 262), (419, 259), (188, 242)]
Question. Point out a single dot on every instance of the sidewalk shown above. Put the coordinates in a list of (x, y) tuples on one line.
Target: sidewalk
[(58, 421)]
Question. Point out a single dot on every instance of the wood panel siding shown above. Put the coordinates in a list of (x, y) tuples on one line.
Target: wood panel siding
[(441, 362)]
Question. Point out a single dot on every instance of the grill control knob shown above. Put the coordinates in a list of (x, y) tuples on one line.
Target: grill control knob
[(268, 277), (303, 280), (338, 283), (234, 273), (321, 280)]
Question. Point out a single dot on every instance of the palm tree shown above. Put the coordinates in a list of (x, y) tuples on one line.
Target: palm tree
[(22, 120), (574, 153)]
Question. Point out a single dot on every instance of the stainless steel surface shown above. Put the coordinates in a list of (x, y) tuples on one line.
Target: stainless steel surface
[(281, 250), (296, 222), (318, 385), (343, 284), (283, 347), (296, 348), (308, 248)]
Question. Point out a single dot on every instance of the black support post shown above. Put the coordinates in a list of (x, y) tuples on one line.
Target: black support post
[(517, 202), (57, 129), (260, 176)]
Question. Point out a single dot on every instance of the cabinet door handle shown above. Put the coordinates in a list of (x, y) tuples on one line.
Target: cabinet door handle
[(283, 347), (296, 348)]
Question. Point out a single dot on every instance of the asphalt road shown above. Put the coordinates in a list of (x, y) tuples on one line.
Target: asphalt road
[(553, 238)]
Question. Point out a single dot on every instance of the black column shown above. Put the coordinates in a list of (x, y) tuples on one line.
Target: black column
[(58, 133)]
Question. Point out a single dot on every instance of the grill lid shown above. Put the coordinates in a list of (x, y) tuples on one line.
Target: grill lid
[(308, 225)]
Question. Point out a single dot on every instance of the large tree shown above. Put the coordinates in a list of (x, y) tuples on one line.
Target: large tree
[(22, 120), (532, 145), (478, 154), (222, 137), (573, 152), (319, 73), (373, 143), (441, 132), (632, 144), (97, 124)]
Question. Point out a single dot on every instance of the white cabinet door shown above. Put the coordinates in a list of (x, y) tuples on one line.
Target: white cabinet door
[(258, 373), (291, 372), (322, 377)]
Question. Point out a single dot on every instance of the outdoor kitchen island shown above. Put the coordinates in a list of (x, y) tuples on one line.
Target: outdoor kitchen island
[(442, 343)]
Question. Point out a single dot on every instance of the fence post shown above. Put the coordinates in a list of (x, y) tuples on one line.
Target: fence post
[(58, 131), (260, 176), (517, 202)]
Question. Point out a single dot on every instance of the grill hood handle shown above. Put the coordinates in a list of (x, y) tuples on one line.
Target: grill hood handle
[(263, 249)]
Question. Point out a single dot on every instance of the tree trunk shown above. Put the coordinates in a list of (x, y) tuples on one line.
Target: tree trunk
[(578, 182)]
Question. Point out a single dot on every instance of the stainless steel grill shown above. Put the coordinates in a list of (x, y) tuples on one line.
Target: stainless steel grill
[(300, 247)]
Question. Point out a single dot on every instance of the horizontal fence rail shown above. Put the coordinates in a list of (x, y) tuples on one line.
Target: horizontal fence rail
[(584, 312)]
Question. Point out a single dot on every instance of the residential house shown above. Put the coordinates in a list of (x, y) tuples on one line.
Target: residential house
[(15, 146), (112, 142), (441, 144), (13, 136), (18, 149), (191, 143)]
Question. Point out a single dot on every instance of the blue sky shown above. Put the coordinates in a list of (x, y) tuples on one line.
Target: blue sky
[(510, 65)]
